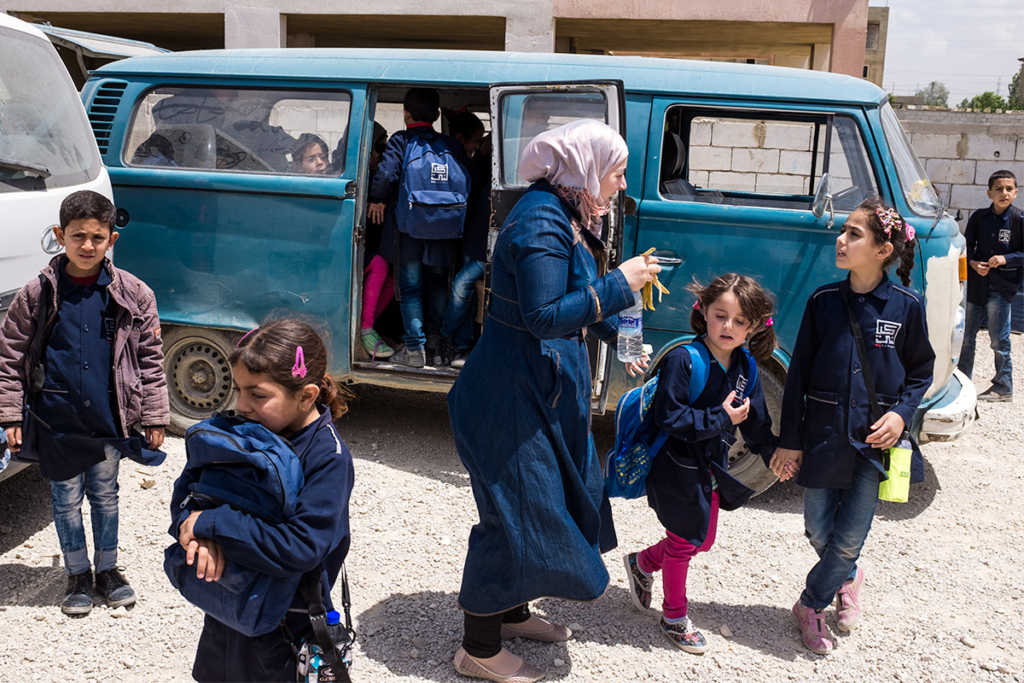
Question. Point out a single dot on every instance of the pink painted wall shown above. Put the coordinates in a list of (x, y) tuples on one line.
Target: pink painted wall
[(849, 18)]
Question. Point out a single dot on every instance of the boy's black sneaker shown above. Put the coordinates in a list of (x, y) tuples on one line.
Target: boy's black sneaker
[(78, 595), (445, 352), (113, 588), (993, 396)]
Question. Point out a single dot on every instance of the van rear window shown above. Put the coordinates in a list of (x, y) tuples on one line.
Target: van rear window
[(241, 130), (762, 159)]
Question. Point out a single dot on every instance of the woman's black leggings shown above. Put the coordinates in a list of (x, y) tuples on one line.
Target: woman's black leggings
[(483, 634)]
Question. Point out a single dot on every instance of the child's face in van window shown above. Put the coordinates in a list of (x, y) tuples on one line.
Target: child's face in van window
[(472, 144), (614, 181), (85, 241), (312, 159)]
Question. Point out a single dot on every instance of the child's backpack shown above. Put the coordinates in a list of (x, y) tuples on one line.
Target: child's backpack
[(246, 466), (434, 189), (637, 438)]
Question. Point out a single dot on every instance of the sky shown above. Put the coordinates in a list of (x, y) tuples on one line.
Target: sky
[(969, 45)]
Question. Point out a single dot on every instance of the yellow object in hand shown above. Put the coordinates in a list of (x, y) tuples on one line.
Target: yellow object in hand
[(647, 292)]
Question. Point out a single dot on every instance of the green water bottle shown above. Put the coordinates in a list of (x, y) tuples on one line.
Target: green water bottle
[(896, 488)]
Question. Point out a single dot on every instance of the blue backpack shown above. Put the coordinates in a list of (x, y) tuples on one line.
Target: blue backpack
[(638, 440), (249, 468), (434, 189)]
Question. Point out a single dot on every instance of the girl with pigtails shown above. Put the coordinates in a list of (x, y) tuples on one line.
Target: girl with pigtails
[(828, 438), (689, 480)]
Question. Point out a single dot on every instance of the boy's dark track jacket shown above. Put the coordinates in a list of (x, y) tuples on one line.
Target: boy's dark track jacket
[(679, 485), (990, 234), (826, 411), (140, 385), (318, 532)]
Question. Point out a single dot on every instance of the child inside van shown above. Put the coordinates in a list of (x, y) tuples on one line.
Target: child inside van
[(378, 282), (995, 253), (689, 479), (81, 366), (457, 328), (420, 234), (310, 156), (280, 373), (828, 437)]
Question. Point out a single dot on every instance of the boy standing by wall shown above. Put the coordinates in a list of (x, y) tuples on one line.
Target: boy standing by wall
[(424, 245), (995, 253), (81, 365)]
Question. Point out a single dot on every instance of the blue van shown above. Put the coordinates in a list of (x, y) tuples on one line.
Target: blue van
[(732, 167)]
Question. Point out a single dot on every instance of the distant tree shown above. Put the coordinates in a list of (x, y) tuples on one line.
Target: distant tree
[(986, 100), (1016, 100), (935, 94)]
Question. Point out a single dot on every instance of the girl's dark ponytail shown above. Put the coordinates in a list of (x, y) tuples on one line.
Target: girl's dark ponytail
[(334, 396), (755, 302), (906, 262)]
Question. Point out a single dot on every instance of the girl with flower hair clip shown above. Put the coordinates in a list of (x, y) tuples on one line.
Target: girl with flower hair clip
[(829, 439)]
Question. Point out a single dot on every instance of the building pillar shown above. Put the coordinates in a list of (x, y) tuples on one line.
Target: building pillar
[(530, 27), (254, 27)]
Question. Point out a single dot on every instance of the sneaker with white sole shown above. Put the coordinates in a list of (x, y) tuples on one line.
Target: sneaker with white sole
[(685, 636), (374, 346), (639, 583), (993, 395), (848, 602), (413, 359)]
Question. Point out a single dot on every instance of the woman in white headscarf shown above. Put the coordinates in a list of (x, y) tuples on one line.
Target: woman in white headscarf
[(520, 409)]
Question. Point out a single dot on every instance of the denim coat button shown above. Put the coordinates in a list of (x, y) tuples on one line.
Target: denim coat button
[(87, 403), (707, 489)]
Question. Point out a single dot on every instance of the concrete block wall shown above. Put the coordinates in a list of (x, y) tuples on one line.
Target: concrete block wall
[(960, 150)]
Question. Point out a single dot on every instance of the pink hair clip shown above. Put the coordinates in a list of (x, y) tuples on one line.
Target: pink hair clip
[(299, 369), (768, 322), (911, 233), (246, 335), (696, 305), (890, 220)]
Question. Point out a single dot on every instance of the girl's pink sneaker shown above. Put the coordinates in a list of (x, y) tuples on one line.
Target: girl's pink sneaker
[(813, 631), (848, 602)]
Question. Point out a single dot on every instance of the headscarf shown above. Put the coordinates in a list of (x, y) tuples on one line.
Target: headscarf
[(574, 158)]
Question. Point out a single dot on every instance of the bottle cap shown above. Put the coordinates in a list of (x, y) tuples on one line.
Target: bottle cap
[(333, 618)]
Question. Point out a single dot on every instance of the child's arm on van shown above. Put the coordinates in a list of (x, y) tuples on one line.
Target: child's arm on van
[(16, 333), (156, 411)]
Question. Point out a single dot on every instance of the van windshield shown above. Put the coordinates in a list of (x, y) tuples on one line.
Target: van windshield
[(45, 139), (918, 190)]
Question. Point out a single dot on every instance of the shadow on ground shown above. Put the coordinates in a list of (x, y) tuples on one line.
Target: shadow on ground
[(24, 507)]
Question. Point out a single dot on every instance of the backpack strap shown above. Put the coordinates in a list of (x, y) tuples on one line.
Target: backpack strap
[(311, 591), (700, 362)]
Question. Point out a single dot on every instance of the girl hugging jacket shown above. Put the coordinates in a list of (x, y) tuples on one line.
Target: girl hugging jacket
[(695, 458)]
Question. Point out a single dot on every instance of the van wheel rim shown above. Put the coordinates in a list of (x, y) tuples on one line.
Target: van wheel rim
[(201, 377)]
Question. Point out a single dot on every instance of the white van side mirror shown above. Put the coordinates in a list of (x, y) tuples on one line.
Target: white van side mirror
[(823, 200)]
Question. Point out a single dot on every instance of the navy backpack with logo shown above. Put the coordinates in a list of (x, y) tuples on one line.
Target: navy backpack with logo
[(434, 189), (638, 439), (243, 465)]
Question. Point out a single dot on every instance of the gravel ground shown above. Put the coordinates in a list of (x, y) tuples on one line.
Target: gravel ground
[(943, 572)]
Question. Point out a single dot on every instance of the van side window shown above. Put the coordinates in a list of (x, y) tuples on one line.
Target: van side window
[(233, 129), (762, 159)]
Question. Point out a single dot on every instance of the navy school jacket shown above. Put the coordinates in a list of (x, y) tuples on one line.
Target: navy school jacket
[(825, 410), (319, 531), (989, 234), (679, 485)]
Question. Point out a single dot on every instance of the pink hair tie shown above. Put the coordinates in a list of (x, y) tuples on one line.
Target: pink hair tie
[(768, 322), (239, 343), (696, 305), (299, 369), (911, 233)]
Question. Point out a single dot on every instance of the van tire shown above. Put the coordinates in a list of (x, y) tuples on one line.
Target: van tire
[(198, 374), (748, 467)]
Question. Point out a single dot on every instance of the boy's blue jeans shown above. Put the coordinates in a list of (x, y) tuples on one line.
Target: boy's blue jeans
[(997, 309), (460, 305), (837, 522), (99, 483), (417, 281)]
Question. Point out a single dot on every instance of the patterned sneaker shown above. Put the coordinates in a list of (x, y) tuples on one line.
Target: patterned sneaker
[(639, 583), (414, 359), (848, 602), (445, 352), (813, 631), (374, 346), (684, 636)]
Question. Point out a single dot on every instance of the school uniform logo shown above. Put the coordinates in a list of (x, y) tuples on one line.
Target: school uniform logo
[(741, 385), (885, 333), (438, 173), (1004, 235)]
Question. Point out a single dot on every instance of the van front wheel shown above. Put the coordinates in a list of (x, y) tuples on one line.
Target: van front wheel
[(198, 374), (748, 467)]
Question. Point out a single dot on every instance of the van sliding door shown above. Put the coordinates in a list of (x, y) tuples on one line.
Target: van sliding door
[(521, 111)]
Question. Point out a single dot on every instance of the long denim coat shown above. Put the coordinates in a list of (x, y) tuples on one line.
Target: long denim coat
[(520, 414)]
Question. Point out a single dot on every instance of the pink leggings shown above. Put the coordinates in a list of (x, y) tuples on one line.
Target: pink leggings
[(672, 556), (378, 290)]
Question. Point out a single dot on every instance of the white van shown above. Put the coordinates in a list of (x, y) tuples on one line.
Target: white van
[(47, 151)]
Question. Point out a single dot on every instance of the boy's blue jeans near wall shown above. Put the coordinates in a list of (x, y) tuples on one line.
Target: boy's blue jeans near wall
[(837, 522), (997, 310), (99, 484), (420, 284)]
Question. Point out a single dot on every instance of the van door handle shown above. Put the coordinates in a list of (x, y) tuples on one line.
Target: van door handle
[(350, 190)]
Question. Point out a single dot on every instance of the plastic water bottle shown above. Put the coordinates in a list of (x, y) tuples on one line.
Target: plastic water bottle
[(631, 331)]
